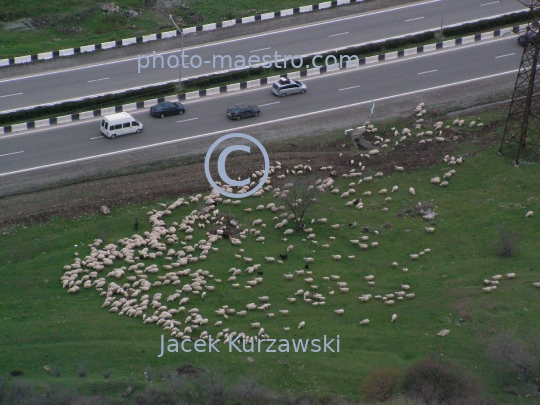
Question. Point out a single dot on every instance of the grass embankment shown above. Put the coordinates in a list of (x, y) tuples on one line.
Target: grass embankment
[(42, 324)]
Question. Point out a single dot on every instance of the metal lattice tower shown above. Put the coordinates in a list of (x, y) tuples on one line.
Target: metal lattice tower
[(523, 121)]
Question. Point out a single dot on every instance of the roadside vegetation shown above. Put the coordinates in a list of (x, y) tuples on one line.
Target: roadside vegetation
[(481, 230)]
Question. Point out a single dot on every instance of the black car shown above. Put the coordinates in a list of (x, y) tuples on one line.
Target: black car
[(529, 38), (243, 111), (167, 108)]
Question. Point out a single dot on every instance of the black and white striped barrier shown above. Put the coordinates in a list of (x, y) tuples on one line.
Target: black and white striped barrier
[(171, 34), (257, 82)]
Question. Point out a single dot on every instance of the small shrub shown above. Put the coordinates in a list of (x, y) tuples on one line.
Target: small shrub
[(438, 382), (19, 392), (506, 244), (249, 392), (154, 396), (486, 24), (165, 373), (381, 384), (58, 396), (107, 373), (82, 371)]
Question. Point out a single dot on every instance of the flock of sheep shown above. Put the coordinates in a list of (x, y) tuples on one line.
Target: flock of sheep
[(128, 273)]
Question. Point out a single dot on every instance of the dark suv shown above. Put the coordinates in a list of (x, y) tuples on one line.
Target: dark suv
[(243, 111), (167, 108)]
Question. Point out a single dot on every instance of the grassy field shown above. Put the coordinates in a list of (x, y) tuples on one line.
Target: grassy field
[(55, 20), (43, 325)]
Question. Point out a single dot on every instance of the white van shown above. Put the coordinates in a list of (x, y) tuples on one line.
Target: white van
[(114, 125)]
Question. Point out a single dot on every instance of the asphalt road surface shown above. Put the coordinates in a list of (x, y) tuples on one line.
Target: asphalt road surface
[(206, 117), (82, 81)]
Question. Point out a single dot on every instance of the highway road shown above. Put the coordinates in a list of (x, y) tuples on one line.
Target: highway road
[(82, 81), (206, 117)]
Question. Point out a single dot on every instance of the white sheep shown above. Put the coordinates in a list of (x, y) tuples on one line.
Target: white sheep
[(411, 191), (511, 275), (364, 322), (394, 317), (339, 311), (301, 325), (336, 257)]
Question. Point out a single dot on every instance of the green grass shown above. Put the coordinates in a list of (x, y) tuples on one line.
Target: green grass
[(42, 324)]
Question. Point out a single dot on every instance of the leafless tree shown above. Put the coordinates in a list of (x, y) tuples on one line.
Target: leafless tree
[(520, 355), (381, 384), (506, 244), (301, 200)]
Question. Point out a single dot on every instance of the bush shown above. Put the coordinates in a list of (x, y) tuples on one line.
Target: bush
[(437, 382), (57, 396), (107, 373), (166, 373), (249, 392), (82, 371), (19, 392), (381, 384), (210, 388), (519, 356), (487, 24), (506, 244), (155, 396)]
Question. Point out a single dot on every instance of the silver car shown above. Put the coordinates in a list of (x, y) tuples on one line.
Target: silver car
[(285, 86)]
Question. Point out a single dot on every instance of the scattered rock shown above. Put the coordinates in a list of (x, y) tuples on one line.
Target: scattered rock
[(128, 391), (132, 13), (69, 30), (105, 210), (443, 333), (110, 8)]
